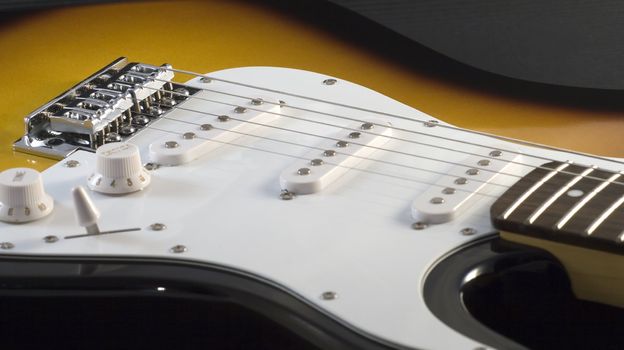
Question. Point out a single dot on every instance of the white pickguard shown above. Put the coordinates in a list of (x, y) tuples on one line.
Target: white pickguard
[(354, 237)]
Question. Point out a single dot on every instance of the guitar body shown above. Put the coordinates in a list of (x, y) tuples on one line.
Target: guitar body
[(346, 261)]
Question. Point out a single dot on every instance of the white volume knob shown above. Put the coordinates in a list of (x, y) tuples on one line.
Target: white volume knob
[(118, 169), (22, 197)]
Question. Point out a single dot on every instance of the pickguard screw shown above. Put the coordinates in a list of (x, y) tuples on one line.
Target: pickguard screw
[(257, 101), (50, 239), (205, 80), (342, 144), (7, 245), (151, 166), (430, 123), (158, 226), (316, 162), (448, 190), (472, 172), (304, 171), (286, 195), (496, 153), (436, 200), (366, 126), (483, 162), (240, 110), (329, 81), (206, 127), (223, 118), (419, 225), (468, 231), (461, 181), (354, 135), (329, 295), (282, 103), (72, 163), (329, 153), (171, 144), (188, 135), (178, 249)]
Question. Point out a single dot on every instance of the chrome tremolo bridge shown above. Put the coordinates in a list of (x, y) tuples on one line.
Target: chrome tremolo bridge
[(110, 106)]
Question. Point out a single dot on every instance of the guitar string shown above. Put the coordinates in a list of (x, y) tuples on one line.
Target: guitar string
[(591, 177), (402, 117), (420, 133)]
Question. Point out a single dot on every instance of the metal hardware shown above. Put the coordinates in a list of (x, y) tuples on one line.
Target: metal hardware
[(50, 239), (257, 101), (189, 135), (205, 80), (448, 190), (71, 163), (468, 231), (157, 226), (329, 295), (419, 225), (206, 127), (431, 123), (483, 162), (178, 249), (223, 118), (472, 172), (367, 126), (141, 120), (355, 135), (304, 171), (112, 137), (342, 144), (127, 130), (240, 110), (461, 181), (151, 166), (171, 144), (436, 200), (286, 195), (316, 162), (329, 81), (496, 153), (329, 153), (7, 245)]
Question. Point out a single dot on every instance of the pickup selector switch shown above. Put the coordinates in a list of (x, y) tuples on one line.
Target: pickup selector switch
[(118, 170), (22, 196)]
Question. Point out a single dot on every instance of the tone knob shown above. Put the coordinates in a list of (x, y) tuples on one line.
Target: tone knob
[(118, 169), (22, 196)]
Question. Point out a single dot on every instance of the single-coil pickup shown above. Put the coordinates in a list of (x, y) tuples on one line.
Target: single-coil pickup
[(334, 157), (452, 193), (197, 127)]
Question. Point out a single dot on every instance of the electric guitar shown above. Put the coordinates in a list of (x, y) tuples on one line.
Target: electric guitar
[(338, 216)]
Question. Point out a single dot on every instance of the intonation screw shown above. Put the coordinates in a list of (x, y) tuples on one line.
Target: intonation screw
[(496, 153), (286, 195), (256, 101), (223, 118), (112, 137), (72, 163), (468, 231), (316, 162), (448, 190), (188, 135), (171, 144), (178, 249), (430, 123), (329, 295), (472, 171), (303, 171), (240, 110), (419, 225), (206, 127), (483, 162), (354, 135), (329, 153), (329, 81), (7, 245), (157, 226), (366, 126), (461, 181), (342, 144), (50, 239)]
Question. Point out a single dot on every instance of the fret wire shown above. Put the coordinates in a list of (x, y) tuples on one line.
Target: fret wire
[(604, 216), (585, 200), (533, 188), (558, 194)]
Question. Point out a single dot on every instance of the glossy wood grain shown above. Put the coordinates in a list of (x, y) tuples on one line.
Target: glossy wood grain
[(45, 52)]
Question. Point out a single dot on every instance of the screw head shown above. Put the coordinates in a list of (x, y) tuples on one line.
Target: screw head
[(112, 137), (355, 135), (316, 162), (367, 126), (329, 295), (484, 162), (496, 153), (50, 239), (223, 118), (468, 231), (7, 245), (171, 144), (286, 195), (127, 130), (178, 249), (436, 200), (342, 144), (168, 101), (461, 181), (430, 123), (181, 92), (157, 226), (329, 81), (472, 172), (141, 120), (151, 166), (240, 110), (189, 135), (303, 171), (419, 225), (206, 127), (154, 111), (72, 163), (257, 101), (448, 190), (329, 153), (205, 80)]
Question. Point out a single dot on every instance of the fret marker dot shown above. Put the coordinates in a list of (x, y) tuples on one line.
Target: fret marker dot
[(575, 193)]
